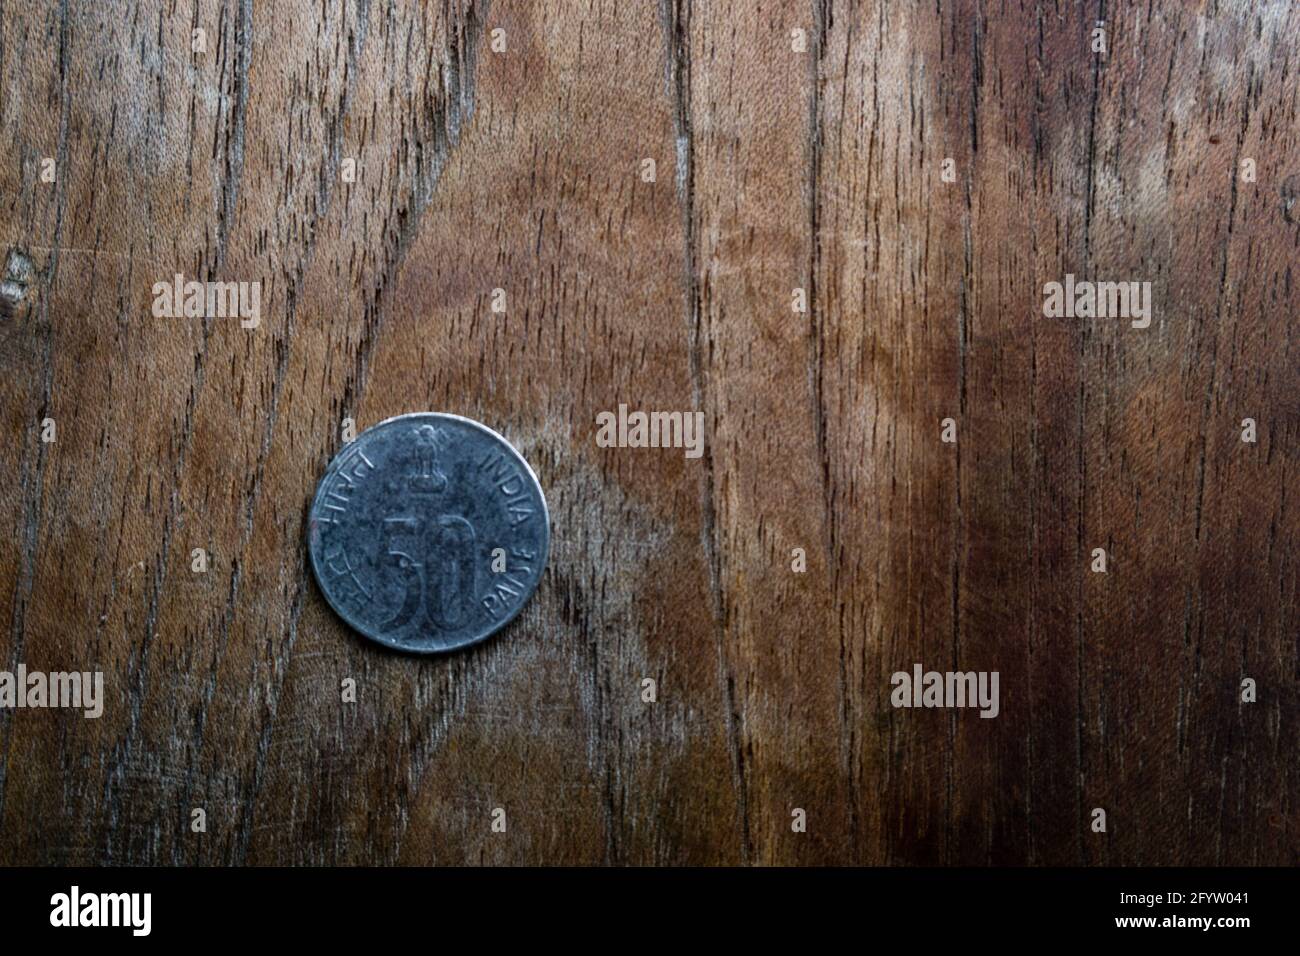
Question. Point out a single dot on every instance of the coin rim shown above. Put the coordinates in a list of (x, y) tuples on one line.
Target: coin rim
[(546, 540)]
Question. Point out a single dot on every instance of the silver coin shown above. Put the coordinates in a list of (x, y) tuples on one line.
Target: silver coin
[(429, 533)]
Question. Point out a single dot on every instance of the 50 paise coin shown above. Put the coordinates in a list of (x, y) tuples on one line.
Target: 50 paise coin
[(428, 533)]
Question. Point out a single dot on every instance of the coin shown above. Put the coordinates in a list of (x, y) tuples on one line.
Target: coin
[(428, 533)]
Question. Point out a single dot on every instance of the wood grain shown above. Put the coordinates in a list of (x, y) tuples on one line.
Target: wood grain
[(776, 169)]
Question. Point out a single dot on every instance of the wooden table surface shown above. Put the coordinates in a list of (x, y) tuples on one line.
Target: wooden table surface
[(383, 168)]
